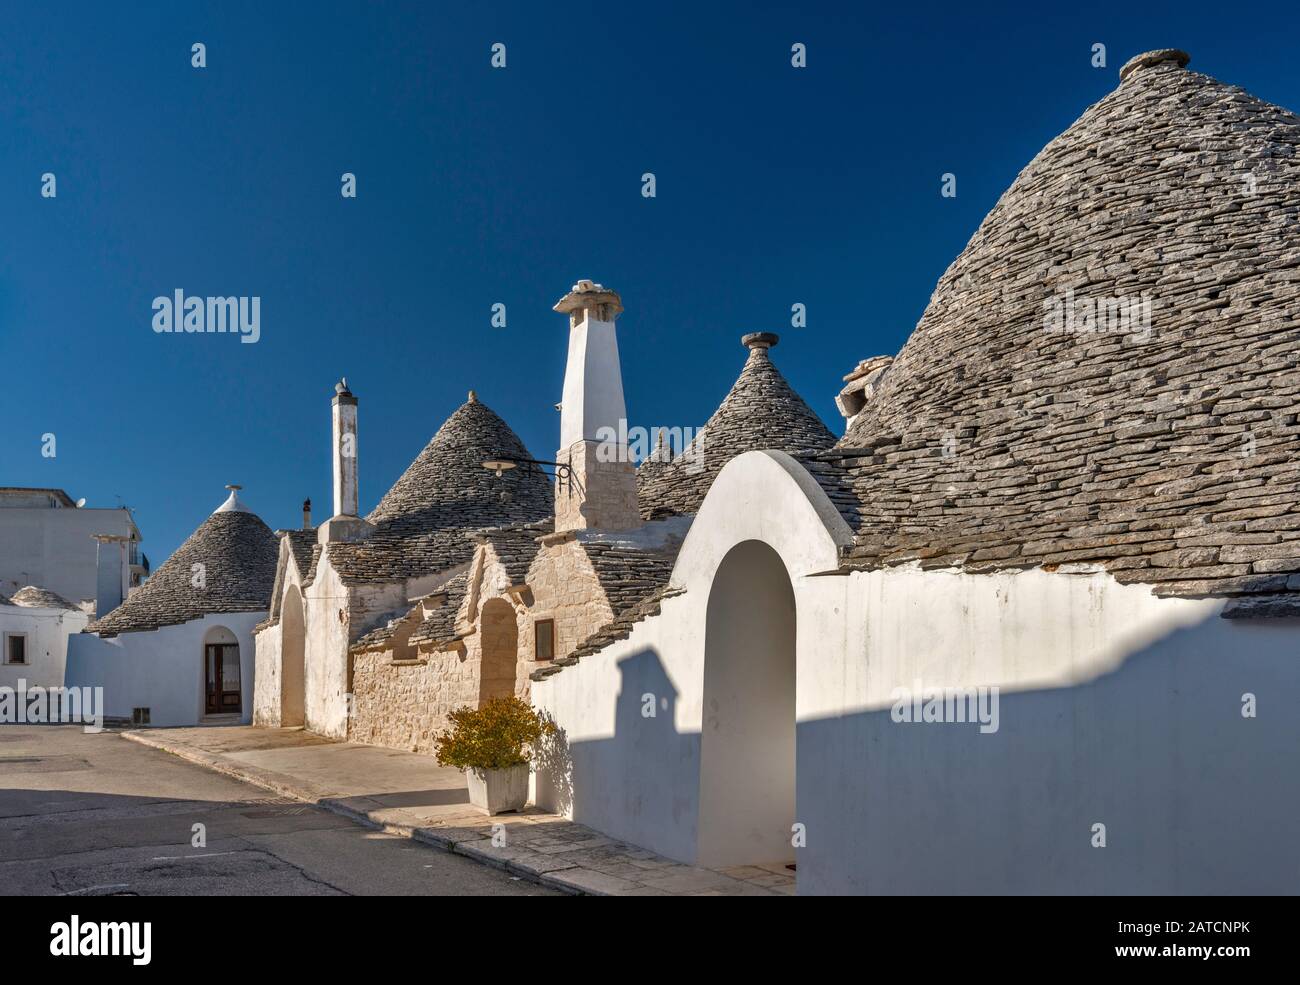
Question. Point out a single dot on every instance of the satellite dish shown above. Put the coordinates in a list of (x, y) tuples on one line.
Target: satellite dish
[(81, 502)]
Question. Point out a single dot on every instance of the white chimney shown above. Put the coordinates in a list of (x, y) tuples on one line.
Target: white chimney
[(599, 489), (344, 524), (110, 572), (345, 450)]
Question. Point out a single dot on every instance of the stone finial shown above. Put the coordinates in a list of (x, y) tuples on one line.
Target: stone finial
[(1157, 57), (759, 340), (587, 295), (233, 503), (342, 385), (473, 397)]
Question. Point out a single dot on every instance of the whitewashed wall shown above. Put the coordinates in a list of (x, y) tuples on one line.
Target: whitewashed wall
[(161, 670), (47, 632), (266, 679), (336, 615), (1116, 708)]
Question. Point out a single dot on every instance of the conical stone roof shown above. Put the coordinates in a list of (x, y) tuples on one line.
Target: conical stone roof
[(762, 411), (32, 597), (1014, 429), (421, 522), (227, 565)]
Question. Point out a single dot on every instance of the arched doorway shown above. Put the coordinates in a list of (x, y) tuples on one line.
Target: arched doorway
[(499, 639), (223, 688), (747, 741), (293, 684)]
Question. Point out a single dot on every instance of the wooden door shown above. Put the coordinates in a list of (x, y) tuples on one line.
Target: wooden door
[(221, 679)]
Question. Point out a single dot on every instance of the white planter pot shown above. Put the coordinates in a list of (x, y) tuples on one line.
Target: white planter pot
[(497, 791)]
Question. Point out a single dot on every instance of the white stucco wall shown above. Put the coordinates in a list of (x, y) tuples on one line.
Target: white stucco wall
[(161, 670), (266, 676), (47, 632), (1115, 708), (337, 614)]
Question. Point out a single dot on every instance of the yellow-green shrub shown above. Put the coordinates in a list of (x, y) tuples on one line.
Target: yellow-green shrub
[(498, 735)]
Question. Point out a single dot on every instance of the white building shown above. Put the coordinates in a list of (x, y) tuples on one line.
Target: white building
[(80, 553), (34, 628), (179, 651), (60, 565)]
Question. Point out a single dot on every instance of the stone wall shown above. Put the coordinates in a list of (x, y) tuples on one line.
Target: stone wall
[(404, 704), (596, 495), (564, 588), (402, 695)]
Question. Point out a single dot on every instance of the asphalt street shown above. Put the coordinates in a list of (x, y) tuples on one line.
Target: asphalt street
[(87, 814)]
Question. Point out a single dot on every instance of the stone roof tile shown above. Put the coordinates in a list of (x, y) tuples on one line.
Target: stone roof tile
[(32, 597), (762, 411), (421, 524), (238, 554), (1163, 450)]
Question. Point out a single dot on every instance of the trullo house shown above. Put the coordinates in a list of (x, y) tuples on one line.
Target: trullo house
[(179, 650), (1029, 626), (1032, 624)]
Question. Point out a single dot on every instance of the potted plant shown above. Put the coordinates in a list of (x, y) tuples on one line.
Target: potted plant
[(493, 744)]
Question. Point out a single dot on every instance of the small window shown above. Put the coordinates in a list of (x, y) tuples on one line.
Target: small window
[(545, 629), (15, 648)]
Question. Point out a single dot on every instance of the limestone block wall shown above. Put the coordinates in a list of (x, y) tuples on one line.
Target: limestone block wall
[(402, 696), (598, 495), (404, 704), (564, 588)]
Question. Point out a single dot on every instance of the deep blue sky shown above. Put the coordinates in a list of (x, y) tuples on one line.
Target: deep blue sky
[(476, 185)]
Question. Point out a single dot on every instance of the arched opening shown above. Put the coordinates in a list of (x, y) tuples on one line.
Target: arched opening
[(499, 638), (293, 684), (747, 741), (223, 691)]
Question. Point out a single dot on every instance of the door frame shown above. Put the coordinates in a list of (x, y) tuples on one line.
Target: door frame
[(214, 658)]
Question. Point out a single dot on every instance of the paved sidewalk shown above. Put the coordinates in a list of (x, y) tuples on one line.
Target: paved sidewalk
[(410, 795)]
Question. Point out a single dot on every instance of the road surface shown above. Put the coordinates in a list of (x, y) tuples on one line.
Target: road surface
[(100, 815)]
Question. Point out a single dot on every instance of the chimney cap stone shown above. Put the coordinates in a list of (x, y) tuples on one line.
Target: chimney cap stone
[(342, 395), (1157, 57), (760, 340), (588, 294)]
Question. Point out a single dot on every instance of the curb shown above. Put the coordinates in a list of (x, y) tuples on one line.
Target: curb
[(444, 840)]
